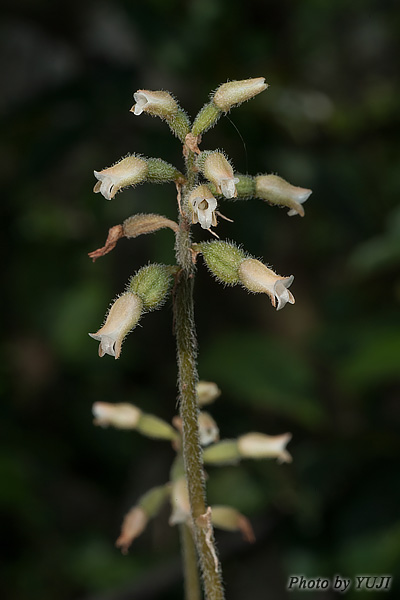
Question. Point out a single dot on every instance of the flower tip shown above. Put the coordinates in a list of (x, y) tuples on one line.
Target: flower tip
[(304, 195), (282, 293)]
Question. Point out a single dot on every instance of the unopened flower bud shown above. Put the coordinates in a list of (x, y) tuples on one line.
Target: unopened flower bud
[(208, 429), (203, 204), (276, 190), (223, 259), (222, 453), (121, 416), (158, 103), (234, 93), (260, 445), (207, 392), (151, 284), (257, 277), (128, 171), (226, 517), (123, 316), (217, 169), (180, 502), (154, 427), (146, 223)]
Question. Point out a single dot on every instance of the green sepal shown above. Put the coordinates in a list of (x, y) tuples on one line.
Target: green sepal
[(223, 259), (152, 501), (152, 284), (222, 453), (160, 171), (179, 125), (246, 187), (154, 427)]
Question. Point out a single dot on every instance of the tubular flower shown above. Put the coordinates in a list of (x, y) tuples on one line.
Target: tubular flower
[(276, 190), (124, 315), (261, 445), (256, 277), (157, 103), (203, 205), (122, 416), (128, 171), (219, 171)]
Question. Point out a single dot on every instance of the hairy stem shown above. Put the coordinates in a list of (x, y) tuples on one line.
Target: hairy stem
[(187, 370), (189, 557)]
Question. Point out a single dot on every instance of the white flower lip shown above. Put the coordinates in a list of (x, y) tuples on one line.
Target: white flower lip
[(105, 185), (203, 205), (203, 209), (228, 186), (301, 197), (141, 101), (282, 293)]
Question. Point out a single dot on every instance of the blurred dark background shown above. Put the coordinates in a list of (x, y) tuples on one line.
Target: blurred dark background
[(326, 369)]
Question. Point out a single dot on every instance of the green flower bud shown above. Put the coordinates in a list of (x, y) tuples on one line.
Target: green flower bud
[(151, 284), (222, 453), (223, 259)]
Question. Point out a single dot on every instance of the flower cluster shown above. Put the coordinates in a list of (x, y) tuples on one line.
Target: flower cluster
[(216, 453), (211, 180)]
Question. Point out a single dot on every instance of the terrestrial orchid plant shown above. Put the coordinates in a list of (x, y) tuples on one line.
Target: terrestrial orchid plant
[(207, 180)]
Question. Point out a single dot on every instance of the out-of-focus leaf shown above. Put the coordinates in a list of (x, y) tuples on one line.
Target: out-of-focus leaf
[(265, 372)]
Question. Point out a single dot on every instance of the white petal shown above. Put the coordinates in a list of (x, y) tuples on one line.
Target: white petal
[(228, 187), (141, 101), (205, 218), (106, 188), (282, 293)]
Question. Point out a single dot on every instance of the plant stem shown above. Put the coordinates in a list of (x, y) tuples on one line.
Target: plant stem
[(189, 557), (187, 369)]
